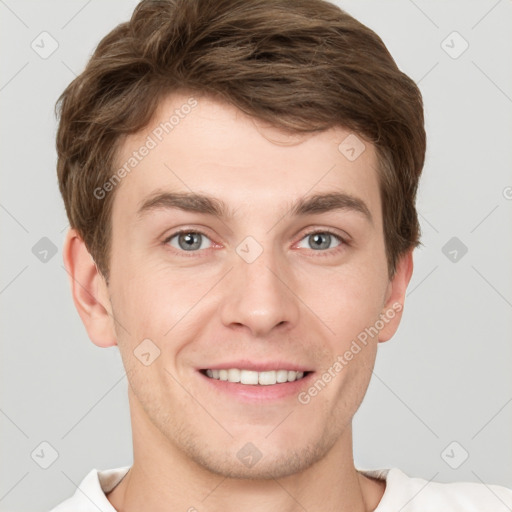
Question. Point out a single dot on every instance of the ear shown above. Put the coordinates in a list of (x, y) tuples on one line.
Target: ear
[(89, 290), (395, 296)]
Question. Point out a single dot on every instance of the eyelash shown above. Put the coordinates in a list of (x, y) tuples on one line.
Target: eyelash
[(327, 252), (344, 243)]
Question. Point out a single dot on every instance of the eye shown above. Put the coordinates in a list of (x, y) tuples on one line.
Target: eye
[(188, 241), (321, 240)]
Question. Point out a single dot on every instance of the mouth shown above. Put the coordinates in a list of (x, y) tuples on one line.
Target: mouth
[(250, 381), (255, 378)]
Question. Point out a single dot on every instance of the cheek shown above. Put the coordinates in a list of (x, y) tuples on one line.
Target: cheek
[(152, 301), (349, 300)]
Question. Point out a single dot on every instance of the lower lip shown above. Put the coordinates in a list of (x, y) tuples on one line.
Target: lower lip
[(259, 393)]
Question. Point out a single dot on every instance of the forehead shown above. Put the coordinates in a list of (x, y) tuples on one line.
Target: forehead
[(200, 145)]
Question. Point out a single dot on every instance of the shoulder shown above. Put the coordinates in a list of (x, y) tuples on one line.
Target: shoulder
[(90, 495), (409, 494)]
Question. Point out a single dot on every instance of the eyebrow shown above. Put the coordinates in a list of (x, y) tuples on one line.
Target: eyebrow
[(202, 203)]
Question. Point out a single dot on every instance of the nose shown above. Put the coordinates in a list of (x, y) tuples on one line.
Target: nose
[(259, 297)]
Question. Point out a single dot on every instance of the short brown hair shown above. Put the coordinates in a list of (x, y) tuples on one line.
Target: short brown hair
[(301, 65)]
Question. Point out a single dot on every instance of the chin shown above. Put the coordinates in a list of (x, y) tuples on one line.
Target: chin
[(260, 460)]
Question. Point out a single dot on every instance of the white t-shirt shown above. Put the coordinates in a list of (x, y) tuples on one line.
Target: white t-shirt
[(402, 493)]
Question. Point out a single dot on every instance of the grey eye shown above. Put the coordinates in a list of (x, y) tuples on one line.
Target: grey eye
[(188, 241), (320, 240)]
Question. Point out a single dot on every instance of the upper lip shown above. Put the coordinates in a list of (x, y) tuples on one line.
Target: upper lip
[(258, 366)]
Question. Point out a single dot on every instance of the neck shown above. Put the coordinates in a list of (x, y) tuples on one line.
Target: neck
[(164, 478)]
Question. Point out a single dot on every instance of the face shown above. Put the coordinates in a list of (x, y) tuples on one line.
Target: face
[(257, 278)]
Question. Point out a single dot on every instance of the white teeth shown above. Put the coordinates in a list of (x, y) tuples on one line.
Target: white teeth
[(233, 375), (248, 377), (267, 378), (282, 375)]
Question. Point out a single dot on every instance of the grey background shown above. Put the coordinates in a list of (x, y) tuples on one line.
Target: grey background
[(444, 377)]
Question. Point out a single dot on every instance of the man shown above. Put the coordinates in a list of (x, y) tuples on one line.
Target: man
[(240, 179)]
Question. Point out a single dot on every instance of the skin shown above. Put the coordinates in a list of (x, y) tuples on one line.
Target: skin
[(293, 303)]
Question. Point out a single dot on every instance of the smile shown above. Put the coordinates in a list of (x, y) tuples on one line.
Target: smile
[(254, 378)]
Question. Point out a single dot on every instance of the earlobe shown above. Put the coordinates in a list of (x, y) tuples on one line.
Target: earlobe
[(89, 290), (395, 296)]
